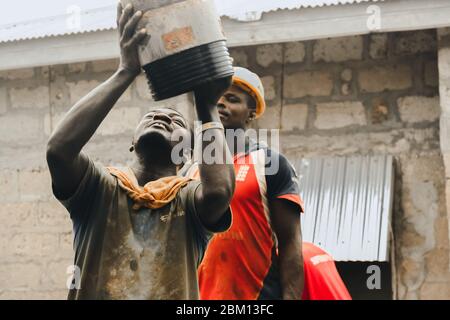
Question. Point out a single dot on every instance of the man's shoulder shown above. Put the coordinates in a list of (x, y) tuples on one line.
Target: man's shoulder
[(275, 162), (187, 192), (100, 182), (191, 185), (269, 152)]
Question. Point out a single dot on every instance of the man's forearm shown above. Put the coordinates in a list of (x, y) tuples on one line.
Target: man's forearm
[(291, 271), (217, 178), (81, 122)]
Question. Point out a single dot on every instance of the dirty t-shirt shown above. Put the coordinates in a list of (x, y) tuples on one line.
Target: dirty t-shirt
[(121, 253)]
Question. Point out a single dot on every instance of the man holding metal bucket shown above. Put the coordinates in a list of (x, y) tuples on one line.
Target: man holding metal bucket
[(140, 231)]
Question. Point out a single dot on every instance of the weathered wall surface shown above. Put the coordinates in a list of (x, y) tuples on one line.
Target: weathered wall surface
[(349, 96), (444, 90), (375, 94)]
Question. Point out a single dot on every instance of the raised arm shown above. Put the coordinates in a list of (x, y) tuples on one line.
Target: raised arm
[(66, 161), (218, 179)]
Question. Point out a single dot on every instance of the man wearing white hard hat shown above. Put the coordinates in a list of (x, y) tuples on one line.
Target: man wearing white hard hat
[(260, 256)]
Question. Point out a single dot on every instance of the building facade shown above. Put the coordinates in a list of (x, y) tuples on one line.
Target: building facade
[(375, 94)]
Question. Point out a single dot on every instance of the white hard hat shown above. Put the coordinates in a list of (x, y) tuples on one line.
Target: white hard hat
[(251, 83)]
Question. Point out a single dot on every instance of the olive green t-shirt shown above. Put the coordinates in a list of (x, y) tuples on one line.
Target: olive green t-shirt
[(122, 253)]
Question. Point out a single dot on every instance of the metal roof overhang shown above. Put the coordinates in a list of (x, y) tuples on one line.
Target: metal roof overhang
[(348, 205), (81, 17), (274, 27)]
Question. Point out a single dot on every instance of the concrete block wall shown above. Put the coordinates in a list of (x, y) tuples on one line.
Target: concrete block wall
[(372, 94), (444, 89), (35, 230)]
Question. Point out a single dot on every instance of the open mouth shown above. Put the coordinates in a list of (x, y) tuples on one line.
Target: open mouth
[(223, 114), (159, 125)]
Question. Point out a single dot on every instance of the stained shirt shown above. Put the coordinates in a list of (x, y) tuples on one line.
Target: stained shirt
[(121, 253)]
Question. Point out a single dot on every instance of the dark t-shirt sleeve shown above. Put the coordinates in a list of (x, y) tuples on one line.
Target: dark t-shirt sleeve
[(78, 204), (283, 184)]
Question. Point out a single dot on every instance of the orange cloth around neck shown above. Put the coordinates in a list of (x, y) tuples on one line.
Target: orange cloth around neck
[(155, 194)]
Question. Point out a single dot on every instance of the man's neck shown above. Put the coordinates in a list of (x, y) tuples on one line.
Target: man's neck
[(238, 142), (147, 170)]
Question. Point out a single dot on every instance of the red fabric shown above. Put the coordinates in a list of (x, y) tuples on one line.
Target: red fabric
[(322, 280), (225, 272), (294, 198)]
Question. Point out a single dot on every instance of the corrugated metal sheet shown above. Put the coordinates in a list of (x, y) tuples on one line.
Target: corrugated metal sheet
[(348, 204), (104, 18), (91, 20)]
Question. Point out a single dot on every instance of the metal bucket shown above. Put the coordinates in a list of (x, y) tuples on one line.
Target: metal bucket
[(186, 47)]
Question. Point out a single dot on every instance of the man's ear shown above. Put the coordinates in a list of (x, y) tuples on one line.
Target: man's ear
[(251, 116)]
